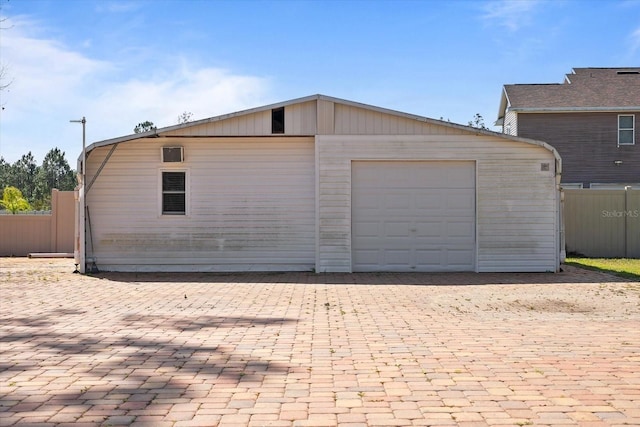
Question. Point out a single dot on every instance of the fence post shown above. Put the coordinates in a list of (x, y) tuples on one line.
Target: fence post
[(627, 218), (54, 220)]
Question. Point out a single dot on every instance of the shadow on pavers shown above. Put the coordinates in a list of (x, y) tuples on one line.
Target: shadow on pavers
[(143, 362), (569, 274)]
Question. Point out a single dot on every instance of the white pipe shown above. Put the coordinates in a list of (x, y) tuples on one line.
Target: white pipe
[(80, 206), (51, 255)]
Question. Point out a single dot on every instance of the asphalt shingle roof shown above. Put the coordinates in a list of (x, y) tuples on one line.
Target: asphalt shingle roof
[(584, 88)]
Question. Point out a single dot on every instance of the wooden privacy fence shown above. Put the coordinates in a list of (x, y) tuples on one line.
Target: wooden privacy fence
[(21, 234), (602, 223)]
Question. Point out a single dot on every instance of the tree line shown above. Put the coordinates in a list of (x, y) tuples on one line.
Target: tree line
[(36, 182)]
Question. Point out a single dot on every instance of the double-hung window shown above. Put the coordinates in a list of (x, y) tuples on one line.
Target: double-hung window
[(174, 193), (626, 129)]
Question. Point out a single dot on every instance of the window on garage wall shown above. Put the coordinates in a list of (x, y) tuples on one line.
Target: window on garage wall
[(174, 192)]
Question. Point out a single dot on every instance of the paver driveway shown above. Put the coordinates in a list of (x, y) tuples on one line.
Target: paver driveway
[(306, 349)]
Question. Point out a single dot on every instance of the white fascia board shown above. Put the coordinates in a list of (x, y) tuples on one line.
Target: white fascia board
[(573, 109), (503, 108)]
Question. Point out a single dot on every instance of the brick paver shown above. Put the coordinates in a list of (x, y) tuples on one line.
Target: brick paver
[(301, 349)]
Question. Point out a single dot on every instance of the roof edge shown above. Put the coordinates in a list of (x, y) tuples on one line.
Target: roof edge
[(155, 133), (573, 109)]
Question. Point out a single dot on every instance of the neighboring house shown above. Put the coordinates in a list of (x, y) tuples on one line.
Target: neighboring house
[(591, 119), (320, 184)]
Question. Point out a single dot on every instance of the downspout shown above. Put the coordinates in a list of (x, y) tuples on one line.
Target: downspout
[(562, 251), (76, 228), (83, 201), (81, 237), (79, 250)]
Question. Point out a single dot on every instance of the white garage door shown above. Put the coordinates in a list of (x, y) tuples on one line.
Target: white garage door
[(413, 216)]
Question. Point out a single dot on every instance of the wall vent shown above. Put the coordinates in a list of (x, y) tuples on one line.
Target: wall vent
[(277, 120), (172, 154)]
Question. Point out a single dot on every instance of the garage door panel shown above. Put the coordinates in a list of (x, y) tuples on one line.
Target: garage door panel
[(430, 258), (461, 229), (459, 176), (460, 199), (365, 200), (366, 229), (397, 229), (460, 257), (413, 216), (430, 200), (397, 201), (397, 257), (366, 256), (429, 229)]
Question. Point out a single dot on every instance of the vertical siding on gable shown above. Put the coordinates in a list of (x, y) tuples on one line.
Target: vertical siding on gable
[(300, 120), (516, 201), (251, 206), (350, 120), (251, 124), (326, 117)]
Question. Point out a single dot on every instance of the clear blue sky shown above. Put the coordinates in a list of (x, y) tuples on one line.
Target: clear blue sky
[(123, 62)]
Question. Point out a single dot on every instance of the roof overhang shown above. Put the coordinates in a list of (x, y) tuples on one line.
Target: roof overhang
[(574, 109), (504, 107)]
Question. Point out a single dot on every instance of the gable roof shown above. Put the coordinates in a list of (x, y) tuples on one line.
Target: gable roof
[(585, 89), (169, 130), (165, 130)]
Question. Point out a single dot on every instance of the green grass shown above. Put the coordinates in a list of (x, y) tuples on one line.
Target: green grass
[(622, 267)]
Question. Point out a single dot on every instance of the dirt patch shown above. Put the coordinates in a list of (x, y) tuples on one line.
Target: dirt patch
[(553, 306)]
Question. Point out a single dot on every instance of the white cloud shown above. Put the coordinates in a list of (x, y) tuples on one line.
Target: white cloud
[(53, 84), (510, 14), (204, 92)]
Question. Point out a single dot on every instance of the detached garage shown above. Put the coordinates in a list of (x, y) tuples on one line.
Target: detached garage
[(319, 184)]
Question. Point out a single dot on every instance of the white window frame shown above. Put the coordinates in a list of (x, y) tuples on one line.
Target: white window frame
[(632, 129), (187, 186)]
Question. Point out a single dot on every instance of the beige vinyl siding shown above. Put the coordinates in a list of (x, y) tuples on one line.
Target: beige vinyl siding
[(516, 205), (250, 206), (300, 120), (326, 117), (251, 124), (317, 117), (517, 217), (351, 120)]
